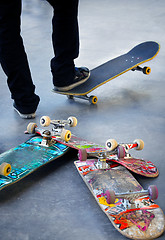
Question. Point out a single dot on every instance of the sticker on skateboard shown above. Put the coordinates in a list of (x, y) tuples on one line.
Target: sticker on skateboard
[(129, 207)]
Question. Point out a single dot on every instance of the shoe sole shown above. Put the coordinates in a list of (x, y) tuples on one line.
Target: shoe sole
[(25, 116)]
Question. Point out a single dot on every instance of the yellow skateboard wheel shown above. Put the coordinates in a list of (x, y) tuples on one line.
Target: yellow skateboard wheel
[(147, 70), (93, 99), (5, 169), (66, 135)]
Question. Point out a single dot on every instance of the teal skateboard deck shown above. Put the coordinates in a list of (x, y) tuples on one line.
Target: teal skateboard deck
[(28, 157), (102, 74)]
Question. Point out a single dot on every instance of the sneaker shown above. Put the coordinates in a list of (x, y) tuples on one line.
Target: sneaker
[(81, 75), (24, 115)]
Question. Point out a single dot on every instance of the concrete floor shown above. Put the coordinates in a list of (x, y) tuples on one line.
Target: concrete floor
[(54, 203)]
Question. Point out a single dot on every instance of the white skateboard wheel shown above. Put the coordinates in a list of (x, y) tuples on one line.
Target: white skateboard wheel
[(72, 121), (111, 144), (31, 127), (45, 121), (140, 144)]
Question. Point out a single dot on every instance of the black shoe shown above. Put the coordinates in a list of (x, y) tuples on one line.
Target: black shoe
[(24, 115), (81, 75)]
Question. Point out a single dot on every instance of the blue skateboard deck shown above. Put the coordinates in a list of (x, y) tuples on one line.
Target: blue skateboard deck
[(28, 157)]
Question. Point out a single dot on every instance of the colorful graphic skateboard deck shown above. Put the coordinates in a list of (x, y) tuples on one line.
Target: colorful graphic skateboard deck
[(132, 212), (139, 166), (28, 157), (102, 74)]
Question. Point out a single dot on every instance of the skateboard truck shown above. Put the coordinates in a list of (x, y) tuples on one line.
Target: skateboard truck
[(114, 151), (102, 162), (47, 139), (57, 131), (130, 197), (122, 149), (102, 155), (45, 121), (145, 70), (92, 99)]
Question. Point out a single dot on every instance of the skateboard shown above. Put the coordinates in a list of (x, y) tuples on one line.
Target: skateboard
[(26, 158), (111, 152), (129, 207), (104, 73)]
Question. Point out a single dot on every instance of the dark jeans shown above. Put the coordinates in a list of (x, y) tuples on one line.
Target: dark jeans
[(13, 59)]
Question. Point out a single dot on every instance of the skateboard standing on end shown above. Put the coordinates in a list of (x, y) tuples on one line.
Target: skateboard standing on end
[(111, 152), (102, 74)]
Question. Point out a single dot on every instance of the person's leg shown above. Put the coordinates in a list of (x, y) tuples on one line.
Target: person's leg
[(65, 38), (13, 58)]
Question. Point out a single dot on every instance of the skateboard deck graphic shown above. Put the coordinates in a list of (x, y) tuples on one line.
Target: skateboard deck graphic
[(28, 157), (104, 73), (139, 166), (141, 219)]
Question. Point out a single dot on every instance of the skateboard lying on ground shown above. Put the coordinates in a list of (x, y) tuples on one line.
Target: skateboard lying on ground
[(24, 159), (104, 73), (112, 152), (129, 207)]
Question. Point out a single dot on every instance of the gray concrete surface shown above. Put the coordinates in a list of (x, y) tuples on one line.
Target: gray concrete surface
[(54, 203)]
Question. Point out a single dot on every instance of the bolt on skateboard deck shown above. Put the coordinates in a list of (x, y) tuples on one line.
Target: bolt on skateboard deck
[(111, 152), (128, 206), (27, 158), (102, 74)]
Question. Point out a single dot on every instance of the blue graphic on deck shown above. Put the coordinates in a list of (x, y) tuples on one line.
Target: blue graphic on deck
[(27, 157)]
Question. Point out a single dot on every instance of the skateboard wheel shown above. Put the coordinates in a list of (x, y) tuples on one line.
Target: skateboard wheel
[(66, 135), (93, 99), (110, 196), (82, 154), (147, 70), (31, 127), (111, 144), (153, 192), (72, 121), (5, 169), (45, 121), (70, 96), (140, 144), (121, 152)]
